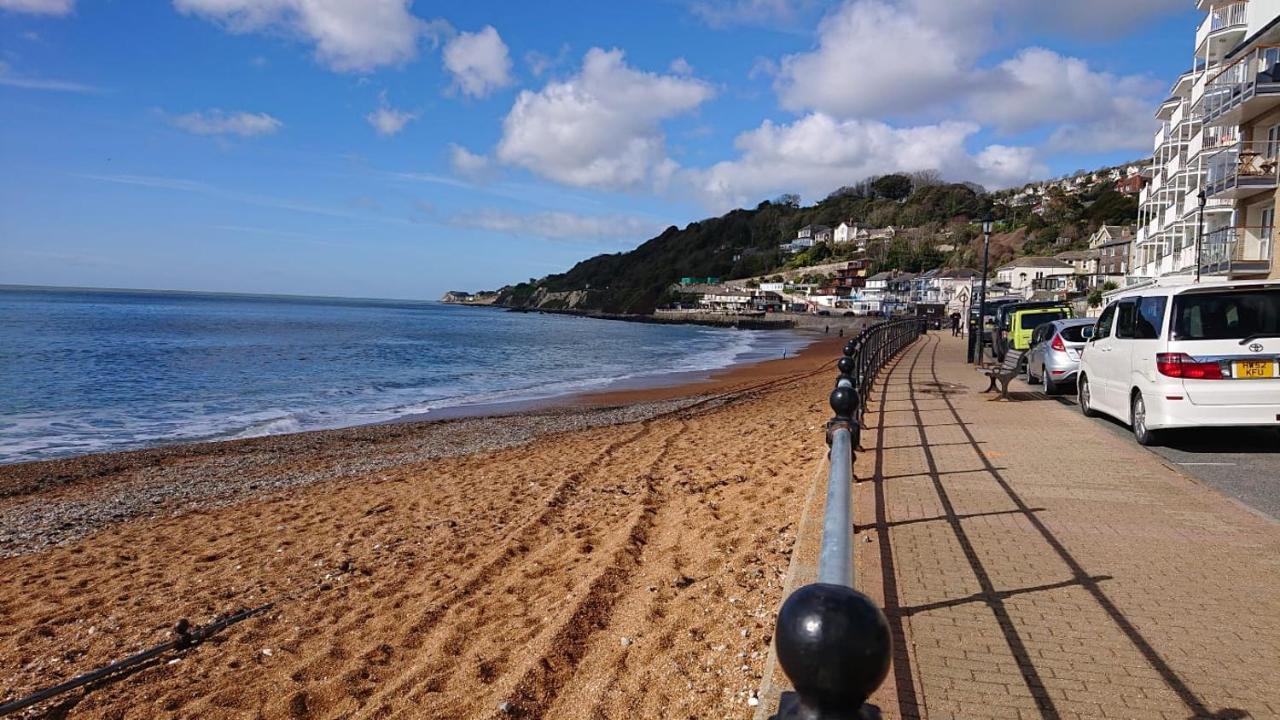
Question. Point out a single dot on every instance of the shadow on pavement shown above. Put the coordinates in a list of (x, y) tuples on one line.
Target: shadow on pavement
[(989, 594)]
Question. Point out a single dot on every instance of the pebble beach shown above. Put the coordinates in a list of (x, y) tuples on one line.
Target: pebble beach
[(613, 555)]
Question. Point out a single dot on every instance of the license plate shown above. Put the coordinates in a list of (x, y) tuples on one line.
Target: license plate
[(1250, 369)]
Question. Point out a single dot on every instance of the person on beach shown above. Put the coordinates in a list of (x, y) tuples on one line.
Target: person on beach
[(955, 324)]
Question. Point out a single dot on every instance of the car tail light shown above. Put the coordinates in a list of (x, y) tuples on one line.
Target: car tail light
[(1181, 365), (1057, 344)]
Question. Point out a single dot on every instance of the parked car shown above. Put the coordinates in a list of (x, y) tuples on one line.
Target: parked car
[(1054, 357), (931, 313), (1016, 322), (1185, 356)]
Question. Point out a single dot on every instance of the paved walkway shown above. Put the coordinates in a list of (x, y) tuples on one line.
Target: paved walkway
[(1034, 566)]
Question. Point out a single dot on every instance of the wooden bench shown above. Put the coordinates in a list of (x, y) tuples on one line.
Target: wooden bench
[(1005, 372)]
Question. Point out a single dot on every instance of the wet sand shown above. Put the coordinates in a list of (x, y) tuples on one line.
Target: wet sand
[(618, 556)]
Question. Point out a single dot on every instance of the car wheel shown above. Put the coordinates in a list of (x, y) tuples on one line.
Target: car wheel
[(1084, 397), (1050, 387), (1138, 421)]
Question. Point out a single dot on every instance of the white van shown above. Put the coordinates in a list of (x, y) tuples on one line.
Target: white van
[(1183, 356)]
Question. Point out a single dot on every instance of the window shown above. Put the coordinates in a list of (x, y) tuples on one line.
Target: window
[(1076, 333), (1150, 318), (1031, 320), (1124, 318), (1104, 323), (1226, 315)]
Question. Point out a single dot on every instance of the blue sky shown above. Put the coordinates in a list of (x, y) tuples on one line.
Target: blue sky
[(387, 148)]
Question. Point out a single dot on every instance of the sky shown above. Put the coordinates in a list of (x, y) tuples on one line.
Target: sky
[(399, 149)]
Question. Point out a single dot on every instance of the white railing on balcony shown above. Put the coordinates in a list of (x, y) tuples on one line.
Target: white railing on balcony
[(1246, 164), (1176, 118), (1236, 249), (1234, 15), (1196, 144), (1162, 136), (1256, 71)]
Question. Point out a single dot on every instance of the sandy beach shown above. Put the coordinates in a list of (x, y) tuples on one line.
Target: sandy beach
[(617, 556)]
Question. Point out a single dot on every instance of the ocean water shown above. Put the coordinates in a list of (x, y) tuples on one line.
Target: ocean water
[(85, 371)]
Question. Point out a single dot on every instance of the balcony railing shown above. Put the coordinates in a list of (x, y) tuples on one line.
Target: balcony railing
[(1234, 15), (1255, 74), (1236, 251), (1242, 168)]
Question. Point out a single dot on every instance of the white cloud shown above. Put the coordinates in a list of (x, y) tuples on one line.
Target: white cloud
[(680, 66), (479, 61), (601, 127), (388, 121), (560, 225), (12, 79), (349, 35), (874, 58), (540, 62), (1039, 86), (39, 7), (1127, 126), (468, 164), (818, 153), (218, 122)]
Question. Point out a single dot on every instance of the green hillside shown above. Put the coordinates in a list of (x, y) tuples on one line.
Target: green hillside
[(744, 243)]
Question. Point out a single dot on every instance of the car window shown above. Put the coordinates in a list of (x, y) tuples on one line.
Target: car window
[(1103, 329), (1125, 311), (1150, 318), (1076, 333), (1226, 315), (1029, 320)]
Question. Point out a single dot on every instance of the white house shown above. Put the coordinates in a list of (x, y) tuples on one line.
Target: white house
[(776, 287), (1023, 271), (845, 233)]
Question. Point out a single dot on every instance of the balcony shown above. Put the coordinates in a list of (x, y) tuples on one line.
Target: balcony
[(1244, 89), (1223, 28), (1236, 251), (1242, 169)]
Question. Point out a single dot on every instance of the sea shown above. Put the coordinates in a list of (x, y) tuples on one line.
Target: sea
[(86, 371)]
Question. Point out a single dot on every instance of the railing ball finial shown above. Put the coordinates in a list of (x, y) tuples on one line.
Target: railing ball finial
[(850, 347), (834, 644), (844, 402), (845, 365)]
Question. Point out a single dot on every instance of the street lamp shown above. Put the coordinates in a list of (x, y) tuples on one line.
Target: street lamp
[(982, 297), (1200, 230)]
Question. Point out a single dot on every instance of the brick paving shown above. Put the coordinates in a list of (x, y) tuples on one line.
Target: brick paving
[(1033, 565)]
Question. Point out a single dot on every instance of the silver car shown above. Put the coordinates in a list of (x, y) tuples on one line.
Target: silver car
[(1054, 357)]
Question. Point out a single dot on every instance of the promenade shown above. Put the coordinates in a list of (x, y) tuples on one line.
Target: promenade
[(1033, 565)]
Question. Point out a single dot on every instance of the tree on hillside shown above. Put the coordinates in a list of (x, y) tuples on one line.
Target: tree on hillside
[(893, 187)]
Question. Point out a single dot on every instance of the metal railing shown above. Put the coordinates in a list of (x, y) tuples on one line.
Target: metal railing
[(1236, 249), (1245, 165), (832, 641), (1237, 83)]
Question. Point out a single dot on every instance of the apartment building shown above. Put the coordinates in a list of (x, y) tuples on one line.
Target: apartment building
[(1244, 95), (1205, 169)]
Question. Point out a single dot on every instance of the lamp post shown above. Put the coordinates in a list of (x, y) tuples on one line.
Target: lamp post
[(1200, 230), (982, 297)]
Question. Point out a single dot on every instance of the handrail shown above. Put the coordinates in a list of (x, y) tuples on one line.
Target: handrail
[(832, 641)]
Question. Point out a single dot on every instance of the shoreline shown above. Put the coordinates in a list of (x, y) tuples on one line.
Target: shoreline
[(49, 502)]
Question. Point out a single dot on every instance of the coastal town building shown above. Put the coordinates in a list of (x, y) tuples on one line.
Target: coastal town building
[(1084, 263), (1206, 171), (1019, 274), (1243, 97), (846, 281)]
